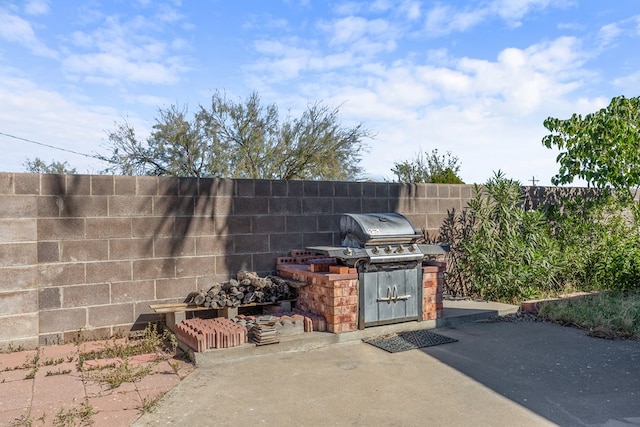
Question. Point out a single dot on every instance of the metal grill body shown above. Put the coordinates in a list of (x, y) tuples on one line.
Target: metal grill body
[(384, 249)]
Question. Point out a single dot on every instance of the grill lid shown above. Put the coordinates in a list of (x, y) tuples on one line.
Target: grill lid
[(359, 230)]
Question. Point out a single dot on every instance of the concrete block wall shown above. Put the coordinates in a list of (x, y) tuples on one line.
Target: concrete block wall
[(87, 254)]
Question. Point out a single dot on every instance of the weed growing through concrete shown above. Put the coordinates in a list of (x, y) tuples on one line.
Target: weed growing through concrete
[(150, 341), (121, 373), (25, 421), (81, 416), (12, 349), (148, 404), (58, 372), (34, 364)]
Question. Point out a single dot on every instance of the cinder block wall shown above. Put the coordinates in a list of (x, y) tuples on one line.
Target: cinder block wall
[(83, 254)]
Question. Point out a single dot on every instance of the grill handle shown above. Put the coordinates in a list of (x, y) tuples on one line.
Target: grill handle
[(392, 296), (397, 297), (388, 298)]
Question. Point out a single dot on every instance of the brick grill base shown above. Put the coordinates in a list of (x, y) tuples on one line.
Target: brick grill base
[(335, 296)]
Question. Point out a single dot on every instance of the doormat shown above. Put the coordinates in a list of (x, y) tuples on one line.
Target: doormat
[(411, 340)]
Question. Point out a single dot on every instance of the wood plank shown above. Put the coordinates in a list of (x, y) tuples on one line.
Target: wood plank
[(172, 308)]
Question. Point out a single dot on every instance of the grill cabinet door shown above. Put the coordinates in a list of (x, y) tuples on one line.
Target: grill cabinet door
[(390, 296)]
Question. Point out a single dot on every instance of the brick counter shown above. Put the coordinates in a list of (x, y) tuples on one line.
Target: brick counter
[(335, 296)]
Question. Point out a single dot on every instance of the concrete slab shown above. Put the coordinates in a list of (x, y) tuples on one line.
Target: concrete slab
[(455, 312), (498, 374)]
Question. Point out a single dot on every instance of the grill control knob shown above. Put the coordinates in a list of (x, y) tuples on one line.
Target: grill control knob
[(376, 250), (412, 248), (400, 249), (388, 249), (348, 252)]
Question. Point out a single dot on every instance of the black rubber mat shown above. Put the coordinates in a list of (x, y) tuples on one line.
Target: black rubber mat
[(408, 341)]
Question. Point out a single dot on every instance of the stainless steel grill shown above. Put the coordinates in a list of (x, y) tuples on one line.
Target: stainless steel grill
[(384, 247)]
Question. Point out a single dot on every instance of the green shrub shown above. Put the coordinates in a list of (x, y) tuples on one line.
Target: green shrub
[(511, 252), (501, 252)]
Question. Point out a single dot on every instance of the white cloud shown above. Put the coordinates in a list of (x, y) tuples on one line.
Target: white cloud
[(608, 34), (444, 19), (41, 115), (512, 11), (17, 30), (126, 52), (36, 7), (455, 104)]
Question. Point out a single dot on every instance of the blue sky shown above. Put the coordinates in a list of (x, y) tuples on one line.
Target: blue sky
[(476, 78)]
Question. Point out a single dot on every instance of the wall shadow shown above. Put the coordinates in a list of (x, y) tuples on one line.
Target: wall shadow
[(557, 372)]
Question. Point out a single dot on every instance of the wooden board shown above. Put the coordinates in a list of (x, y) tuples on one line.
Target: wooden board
[(182, 306)]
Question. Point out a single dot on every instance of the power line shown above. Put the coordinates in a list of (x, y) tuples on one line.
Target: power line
[(50, 146)]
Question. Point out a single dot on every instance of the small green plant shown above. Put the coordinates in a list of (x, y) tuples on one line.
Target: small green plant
[(175, 365), (27, 421), (81, 416), (122, 373), (12, 349), (52, 362), (33, 364), (148, 404), (58, 372), (150, 341)]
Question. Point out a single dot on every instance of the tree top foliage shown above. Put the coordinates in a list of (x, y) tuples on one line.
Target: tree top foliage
[(429, 168), (241, 140), (38, 165), (603, 148)]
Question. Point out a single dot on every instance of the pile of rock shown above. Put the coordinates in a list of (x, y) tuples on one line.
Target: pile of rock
[(247, 288)]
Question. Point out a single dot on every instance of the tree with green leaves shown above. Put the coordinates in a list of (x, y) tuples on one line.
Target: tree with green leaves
[(429, 168), (603, 148), (241, 140), (37, 165)]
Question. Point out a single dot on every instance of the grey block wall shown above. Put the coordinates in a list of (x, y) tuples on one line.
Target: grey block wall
[(83, 254)]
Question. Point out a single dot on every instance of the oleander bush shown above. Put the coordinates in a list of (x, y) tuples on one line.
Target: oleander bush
[(502, 252)]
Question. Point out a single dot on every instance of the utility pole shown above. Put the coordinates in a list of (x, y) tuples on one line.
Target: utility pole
[(534, 180)]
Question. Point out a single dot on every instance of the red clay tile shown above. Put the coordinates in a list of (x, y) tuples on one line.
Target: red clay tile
[(15, 395), (127, 400), (115, 418)]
